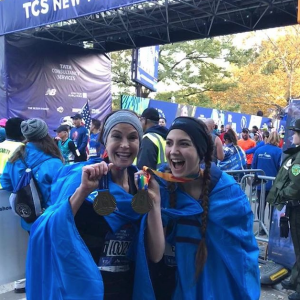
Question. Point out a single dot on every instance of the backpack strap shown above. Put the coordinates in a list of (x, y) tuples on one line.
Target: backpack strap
[(35, 165)]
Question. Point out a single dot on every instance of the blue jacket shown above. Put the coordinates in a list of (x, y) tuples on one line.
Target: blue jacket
[(59, 264), (234, 158), (80, 136), (96, 149), (231, 271), (267, 158), (46, 168)]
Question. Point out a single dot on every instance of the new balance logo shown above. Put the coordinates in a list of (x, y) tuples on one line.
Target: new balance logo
[(51, 92)]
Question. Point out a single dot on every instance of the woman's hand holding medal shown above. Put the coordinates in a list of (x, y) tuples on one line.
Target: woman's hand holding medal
[(148, 193), (90, 177)]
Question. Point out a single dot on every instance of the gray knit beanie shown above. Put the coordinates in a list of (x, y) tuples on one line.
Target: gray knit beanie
[(122, 116), (34, 129)]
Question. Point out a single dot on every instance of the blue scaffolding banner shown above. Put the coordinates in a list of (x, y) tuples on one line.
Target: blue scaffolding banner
[(16, 15)]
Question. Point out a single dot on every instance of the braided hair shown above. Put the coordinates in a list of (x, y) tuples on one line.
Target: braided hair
[(201, 254)]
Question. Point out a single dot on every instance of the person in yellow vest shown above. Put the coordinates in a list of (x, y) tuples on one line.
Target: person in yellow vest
[(152, 150), (13, 140)]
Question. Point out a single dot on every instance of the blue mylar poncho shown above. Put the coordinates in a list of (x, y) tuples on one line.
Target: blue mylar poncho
[(59, 264), (231, 271)]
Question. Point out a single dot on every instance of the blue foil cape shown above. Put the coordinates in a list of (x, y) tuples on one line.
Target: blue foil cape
[(231, 271), (59, 264)]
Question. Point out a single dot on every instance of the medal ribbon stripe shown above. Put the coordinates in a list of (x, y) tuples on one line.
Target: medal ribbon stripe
[(169, 177)]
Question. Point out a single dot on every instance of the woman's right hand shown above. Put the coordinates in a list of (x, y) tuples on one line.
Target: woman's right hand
[(91, 175)]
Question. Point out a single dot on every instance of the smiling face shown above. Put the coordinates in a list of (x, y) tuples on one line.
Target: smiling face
[(122, 145), (181, 154)]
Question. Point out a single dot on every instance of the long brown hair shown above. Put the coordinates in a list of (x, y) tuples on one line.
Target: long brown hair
[(201, 254), (46, 145)]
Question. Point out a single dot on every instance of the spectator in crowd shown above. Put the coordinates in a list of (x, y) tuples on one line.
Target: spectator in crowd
[(268, 159), (79, 135), (234, 156), (281, 134), (227, 127), (41, 154), (96, 149), (222, 129), (259, 144), (205, 210), (152, 150), (66, 146), (256, 133), (90, 252), (2, 130), (13, 140), (246, 143), (285, 192), (162, 121), (218, 153)]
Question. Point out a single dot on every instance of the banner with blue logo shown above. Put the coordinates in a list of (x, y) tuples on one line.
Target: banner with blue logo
[(51, 81), (19, 15), (172, 110)]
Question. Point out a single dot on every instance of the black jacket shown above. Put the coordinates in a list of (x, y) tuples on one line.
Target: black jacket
[(148, 151)]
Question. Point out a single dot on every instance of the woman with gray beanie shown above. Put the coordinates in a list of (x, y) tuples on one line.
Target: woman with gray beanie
[(92, 227), (41, 154)]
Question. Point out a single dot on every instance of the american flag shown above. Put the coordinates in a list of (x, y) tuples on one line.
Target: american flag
[(86, 115)]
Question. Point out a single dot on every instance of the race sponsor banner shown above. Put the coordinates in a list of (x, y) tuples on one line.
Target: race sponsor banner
[(52, 81), (18, 15), (3, 103), (170, 111), (292, 114)]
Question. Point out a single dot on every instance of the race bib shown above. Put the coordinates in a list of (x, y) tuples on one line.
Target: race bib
[(114, 256), (169, 255), (93, 152)]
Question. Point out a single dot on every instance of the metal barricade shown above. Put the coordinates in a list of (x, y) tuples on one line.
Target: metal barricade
[(246, 182)]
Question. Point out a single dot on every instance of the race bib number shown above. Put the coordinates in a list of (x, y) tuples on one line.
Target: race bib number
[(114, 256)]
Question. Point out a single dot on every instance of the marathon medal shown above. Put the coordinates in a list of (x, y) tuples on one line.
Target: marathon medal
[(141, 202), (104, 203)]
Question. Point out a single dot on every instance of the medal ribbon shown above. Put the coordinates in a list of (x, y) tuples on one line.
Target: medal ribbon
[(170, 177), (103, 183), (143, 181)]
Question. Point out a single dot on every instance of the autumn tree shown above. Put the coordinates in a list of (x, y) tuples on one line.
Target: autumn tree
[(271, 79), (195, 66)]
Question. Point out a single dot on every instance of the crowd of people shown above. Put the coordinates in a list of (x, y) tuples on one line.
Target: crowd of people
[(136, 210)]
